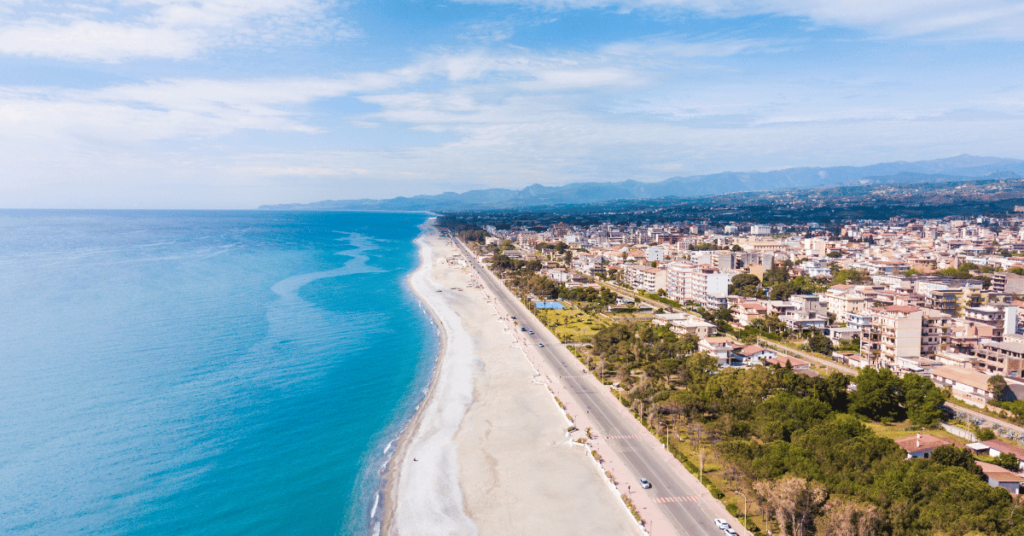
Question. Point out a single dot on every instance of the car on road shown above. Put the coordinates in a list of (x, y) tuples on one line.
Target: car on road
[(513, 318), (644, 483), (522, 329), (531, 332), (540, 344), (722, 524), (730, 532)]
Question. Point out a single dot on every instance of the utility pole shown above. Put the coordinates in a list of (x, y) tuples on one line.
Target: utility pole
[(744, 510)]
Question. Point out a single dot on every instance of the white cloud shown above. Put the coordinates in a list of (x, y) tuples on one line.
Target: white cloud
[(173, 29), (507, 117), (963, 19)]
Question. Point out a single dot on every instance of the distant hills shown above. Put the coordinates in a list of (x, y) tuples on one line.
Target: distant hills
[(929, 171)]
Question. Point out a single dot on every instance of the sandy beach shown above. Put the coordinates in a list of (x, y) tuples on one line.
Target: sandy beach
[(487, 452)]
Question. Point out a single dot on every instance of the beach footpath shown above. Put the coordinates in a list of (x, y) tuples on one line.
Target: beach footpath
[(488, 451)]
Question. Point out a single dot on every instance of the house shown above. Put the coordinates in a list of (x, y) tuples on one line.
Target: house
[(683, 323), (999, 477), (748, 311), (782, 360), (921, 445), (850, 359), (998, 446), (719, 347), (838, 335), (752, 355)]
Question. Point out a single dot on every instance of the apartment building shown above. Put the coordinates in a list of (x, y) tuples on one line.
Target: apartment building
[(935, 331), (1003, 319), (895, 331), (807, 312), (1005, 358), (1007, 283), (645, 278), (701, 284), (843, 300)]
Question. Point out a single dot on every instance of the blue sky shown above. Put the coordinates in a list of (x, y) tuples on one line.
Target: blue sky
[(237, 103)]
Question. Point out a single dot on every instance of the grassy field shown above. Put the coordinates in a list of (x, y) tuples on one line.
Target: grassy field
[(572, 323), (903, 429)]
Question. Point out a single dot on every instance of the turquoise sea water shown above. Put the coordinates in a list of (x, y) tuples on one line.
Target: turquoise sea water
[(203, 373)]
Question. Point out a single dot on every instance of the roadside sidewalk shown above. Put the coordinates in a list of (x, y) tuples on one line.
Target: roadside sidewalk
[(625, 483)]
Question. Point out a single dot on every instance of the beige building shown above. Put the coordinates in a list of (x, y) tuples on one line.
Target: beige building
[(683, 323), (895, 331), (842, 300), (967, 385), (645, 278), (903, 331), (1004, 358)]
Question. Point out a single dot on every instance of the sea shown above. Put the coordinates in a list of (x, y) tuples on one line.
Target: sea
[(205, 373)]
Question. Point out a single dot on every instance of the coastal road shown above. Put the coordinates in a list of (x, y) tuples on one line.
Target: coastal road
[(677, 495)]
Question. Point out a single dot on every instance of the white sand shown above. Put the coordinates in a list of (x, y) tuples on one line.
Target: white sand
[(424, 497), (493, 457)]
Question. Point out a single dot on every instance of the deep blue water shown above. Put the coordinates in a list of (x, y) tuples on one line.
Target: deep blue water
[(203, 373)]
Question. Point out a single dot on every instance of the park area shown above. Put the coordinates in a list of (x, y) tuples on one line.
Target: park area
[(570, 323)]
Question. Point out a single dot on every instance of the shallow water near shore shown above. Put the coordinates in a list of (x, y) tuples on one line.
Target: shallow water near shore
[(204, 372)]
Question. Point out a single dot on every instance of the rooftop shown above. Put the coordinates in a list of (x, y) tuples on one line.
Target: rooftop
[(921, 442), (962, 375)]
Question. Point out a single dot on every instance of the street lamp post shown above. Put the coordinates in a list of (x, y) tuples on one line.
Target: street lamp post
[(744, 510)]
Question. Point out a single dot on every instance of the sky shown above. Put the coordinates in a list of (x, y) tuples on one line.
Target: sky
[(232, 104)]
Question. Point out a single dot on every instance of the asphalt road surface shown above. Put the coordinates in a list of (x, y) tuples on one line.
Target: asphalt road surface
[(679, 501)]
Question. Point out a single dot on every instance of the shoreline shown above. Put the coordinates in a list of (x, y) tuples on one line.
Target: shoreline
[(488, 450), (396, 474)]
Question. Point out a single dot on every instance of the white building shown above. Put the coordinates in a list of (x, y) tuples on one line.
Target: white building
[(645, 278), (689, 282)]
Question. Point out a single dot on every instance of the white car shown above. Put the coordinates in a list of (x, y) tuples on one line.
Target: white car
[(722, 524), (645, 484), (540, 344), (730, 532)]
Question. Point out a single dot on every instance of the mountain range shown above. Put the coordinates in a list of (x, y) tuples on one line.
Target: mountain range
[(927, 171)]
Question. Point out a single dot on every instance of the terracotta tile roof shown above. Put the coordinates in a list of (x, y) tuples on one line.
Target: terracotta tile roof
[(783, 359), (998, 473), (915, 444), (1003, 446), (751, 350), (902, 309)]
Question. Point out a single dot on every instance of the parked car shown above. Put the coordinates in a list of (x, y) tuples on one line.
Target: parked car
[(645, 484), (722, 524)]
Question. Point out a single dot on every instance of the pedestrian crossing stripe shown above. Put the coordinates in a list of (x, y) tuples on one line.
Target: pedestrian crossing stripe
[(686, 498), (622, 437)]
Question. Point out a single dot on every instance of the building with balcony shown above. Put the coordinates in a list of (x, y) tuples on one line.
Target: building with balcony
[(645, 278), (1001, 357)]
